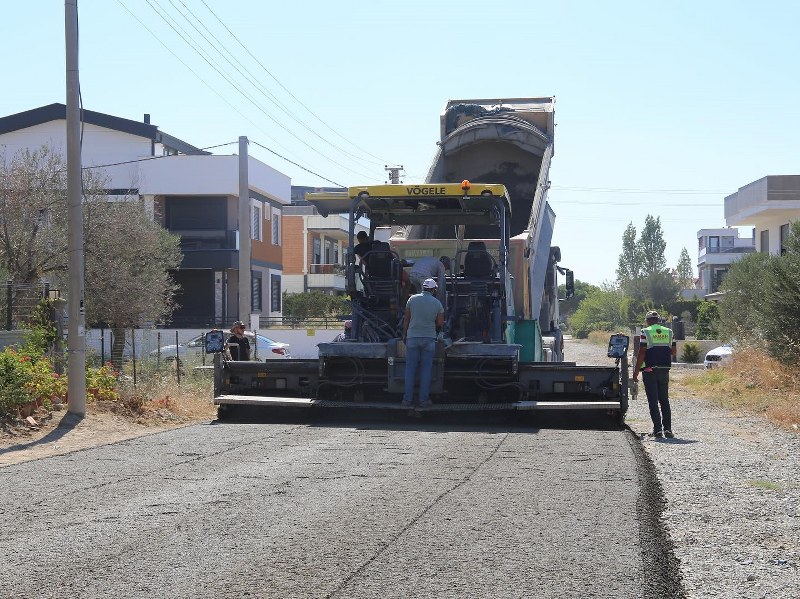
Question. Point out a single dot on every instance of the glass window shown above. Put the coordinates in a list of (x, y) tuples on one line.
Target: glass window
[(713, 245), (256, 293), (256, 229), (784, 237), (317, 251), (764, 248), (275, 293), (276, 226)]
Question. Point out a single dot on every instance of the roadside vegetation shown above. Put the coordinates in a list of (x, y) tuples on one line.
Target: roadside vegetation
[(755, 383), (32, 384), (758, 315)]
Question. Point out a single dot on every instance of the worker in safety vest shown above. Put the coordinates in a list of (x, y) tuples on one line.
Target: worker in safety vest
[(656, 352)]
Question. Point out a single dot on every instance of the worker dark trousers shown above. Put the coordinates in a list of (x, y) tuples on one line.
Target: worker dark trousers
[(656, 385)]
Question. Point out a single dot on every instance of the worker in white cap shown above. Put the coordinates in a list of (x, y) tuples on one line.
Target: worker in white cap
[(424, 317)]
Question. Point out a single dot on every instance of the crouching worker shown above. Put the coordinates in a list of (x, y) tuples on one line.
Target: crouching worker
[(238, 346)]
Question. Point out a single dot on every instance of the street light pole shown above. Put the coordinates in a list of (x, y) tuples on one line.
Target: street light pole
[(76, 336)]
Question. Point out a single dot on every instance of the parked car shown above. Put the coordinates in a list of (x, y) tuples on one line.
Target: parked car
[(266, 349), (717, 356)]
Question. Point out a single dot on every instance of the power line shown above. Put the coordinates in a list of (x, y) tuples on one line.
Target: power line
[(253, 80), (297, 165), (202, 80), (157, 157), (623, 190), (267, 71), (182, 34)]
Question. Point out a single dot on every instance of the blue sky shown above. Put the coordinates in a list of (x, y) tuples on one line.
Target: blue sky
[(701, 97)]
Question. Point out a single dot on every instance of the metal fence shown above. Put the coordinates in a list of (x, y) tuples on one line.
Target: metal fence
[(18, 301)]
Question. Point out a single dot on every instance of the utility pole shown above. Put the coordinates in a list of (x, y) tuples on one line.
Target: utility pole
[(394, 173), (76, 335), (244, 234)]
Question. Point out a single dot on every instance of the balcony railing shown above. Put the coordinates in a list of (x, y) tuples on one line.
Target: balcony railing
[(326, 269)]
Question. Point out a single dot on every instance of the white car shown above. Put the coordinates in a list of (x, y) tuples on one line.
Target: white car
[(267, 349), (717, 356)]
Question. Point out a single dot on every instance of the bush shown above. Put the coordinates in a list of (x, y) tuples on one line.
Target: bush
[(707, 321), (690, 353), (13, 392), (101, 383)]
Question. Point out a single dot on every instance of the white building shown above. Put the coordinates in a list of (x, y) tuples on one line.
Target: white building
[(191, 193), (768, 205), (716, 250)]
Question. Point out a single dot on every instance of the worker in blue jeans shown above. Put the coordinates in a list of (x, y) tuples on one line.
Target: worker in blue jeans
[(424, 317), (656, 352)]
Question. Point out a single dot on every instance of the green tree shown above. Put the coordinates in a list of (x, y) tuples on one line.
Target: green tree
[(685, 270), (781, 306), (707, 321), (568, 306), (602, 310), (127, 256), (654, 289), (629, 266), (652, 246), (315, 304), (741, 308)]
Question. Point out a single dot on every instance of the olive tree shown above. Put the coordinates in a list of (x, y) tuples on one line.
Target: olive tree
[(127, 256)]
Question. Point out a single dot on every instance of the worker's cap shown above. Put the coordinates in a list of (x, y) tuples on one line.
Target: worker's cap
[(348, 324), (651, 315), (236, 325), (429, 284)]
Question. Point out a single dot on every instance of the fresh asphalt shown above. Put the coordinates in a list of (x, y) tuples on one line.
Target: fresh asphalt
[(565, 506)]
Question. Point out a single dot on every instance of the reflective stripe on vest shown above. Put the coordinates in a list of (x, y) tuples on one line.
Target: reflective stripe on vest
[(659, 346)]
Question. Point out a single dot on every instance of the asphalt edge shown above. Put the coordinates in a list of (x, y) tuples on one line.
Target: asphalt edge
[(661, 568)]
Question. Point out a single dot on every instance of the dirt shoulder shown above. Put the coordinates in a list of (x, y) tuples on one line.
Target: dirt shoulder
[(105, 422)]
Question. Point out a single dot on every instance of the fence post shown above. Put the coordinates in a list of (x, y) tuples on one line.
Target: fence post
[(133, 349), (177, 358), (9, 300), (158, 351), (102, 345)]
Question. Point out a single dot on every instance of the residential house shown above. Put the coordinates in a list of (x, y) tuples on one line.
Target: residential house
[(716, 250), (191, 193), (314, 245), (769, 205)]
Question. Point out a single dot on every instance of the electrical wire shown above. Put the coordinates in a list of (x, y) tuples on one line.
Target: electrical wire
[(295, 98), (156, 157), (253, 80), (296, 164), (182, 34)]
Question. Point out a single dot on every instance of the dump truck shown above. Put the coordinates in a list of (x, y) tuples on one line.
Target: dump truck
[(483, 205)]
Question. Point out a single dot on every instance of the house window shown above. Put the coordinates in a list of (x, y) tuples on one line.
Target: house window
[(256, 228), (784, 237), (329, 255), (726, 243), (713, 245), (701, 243), (764, 248), (256, 293), (719, 274), (275, 293), (317, 251), (276, 226)]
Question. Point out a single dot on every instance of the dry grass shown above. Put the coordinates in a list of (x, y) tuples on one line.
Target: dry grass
[(160, 399), (756, 383), (599, 337)]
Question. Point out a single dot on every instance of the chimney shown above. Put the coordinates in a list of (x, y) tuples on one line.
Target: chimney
[(146, 118)]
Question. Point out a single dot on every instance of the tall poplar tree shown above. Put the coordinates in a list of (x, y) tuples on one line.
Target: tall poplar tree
[(652, 246), (685, 270), (629, 266)]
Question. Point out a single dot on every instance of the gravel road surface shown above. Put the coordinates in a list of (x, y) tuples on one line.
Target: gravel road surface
[(337, 510), (732, 487)]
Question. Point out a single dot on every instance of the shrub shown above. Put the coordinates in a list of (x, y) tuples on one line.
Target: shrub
[(13, 392), (102, 382), (690, 353), (707, 320)]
